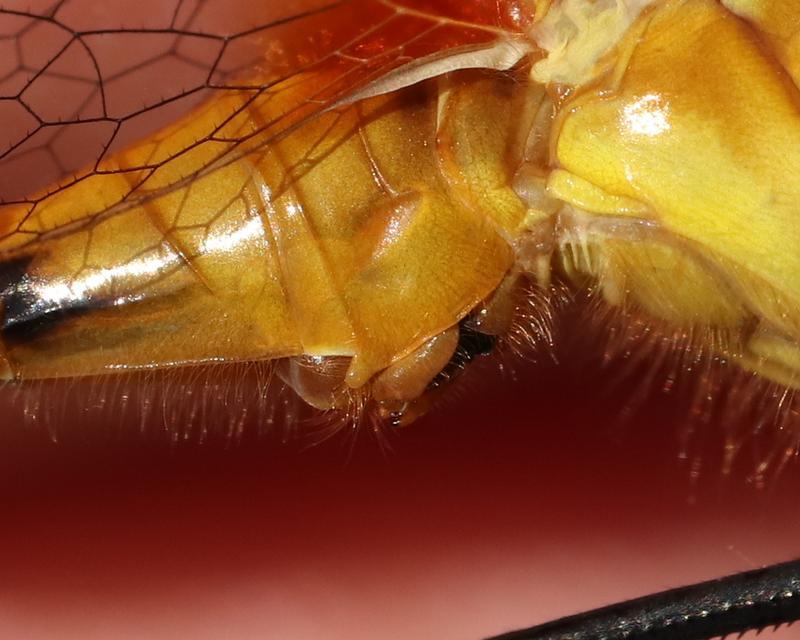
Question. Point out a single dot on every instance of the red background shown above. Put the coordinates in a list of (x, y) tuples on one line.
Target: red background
[(517, 503)]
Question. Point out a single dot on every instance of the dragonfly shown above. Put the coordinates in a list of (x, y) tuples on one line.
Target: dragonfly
[(369, 194)]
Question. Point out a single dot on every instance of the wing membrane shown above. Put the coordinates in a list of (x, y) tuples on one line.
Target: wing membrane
[(84, 80)]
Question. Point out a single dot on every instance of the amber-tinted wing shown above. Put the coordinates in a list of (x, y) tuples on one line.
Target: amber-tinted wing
[(80, 80)]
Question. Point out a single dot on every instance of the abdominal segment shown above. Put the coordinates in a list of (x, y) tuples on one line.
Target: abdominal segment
[(356, 237)]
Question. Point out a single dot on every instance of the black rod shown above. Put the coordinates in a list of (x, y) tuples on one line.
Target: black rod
[(742, 602)]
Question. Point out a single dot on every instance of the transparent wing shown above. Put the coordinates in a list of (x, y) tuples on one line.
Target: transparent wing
[(80, 80)]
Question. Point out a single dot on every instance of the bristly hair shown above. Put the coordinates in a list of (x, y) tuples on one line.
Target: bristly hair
[(227, 404), (184, 405), (533, 326), (729, 416)]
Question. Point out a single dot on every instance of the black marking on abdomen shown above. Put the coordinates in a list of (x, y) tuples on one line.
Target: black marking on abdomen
[(471, 344), (24, 315), (12, 272)]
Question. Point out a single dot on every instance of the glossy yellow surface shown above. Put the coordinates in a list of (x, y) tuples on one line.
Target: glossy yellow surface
[(700, 127)]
